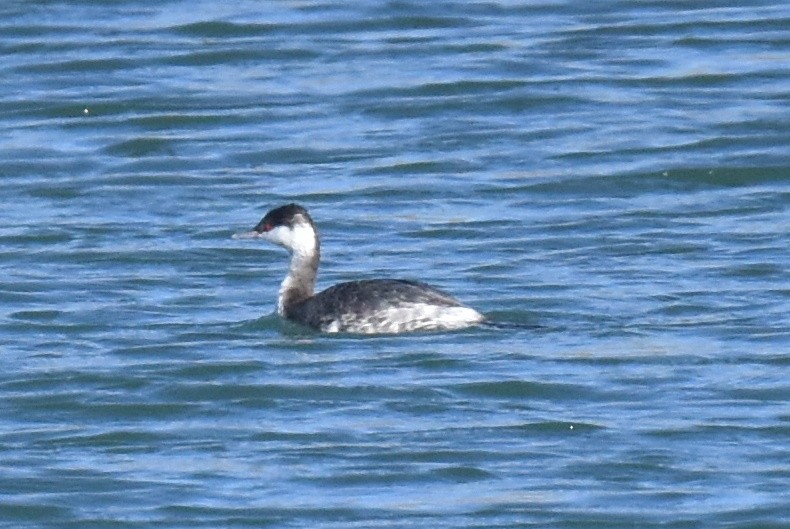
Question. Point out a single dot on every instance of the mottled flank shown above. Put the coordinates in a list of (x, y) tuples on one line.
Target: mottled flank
[(383, 306)]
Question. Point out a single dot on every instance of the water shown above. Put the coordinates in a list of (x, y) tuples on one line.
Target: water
[(615, 173)]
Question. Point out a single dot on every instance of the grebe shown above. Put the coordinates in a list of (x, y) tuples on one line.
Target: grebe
[(371, 306)]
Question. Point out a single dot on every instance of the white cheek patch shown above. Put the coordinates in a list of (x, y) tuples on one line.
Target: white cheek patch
[(280, 235), (299, 240)]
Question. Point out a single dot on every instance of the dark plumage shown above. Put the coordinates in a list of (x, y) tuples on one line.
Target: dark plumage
[(282, 216), (358, 299)]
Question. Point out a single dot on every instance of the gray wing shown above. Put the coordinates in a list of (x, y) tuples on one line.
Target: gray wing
[(365, 297)]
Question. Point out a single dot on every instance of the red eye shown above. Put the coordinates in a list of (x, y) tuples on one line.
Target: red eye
[(263, 227)]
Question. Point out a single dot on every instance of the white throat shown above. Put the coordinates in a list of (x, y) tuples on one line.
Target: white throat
[(299, 239), (302, 242)]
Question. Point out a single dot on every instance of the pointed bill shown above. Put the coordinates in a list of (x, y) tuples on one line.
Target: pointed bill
[(252, 234)]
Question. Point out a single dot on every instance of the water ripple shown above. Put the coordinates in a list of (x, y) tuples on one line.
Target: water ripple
[(608, 182)]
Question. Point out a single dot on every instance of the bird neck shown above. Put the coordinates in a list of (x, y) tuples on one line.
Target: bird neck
[(299, 284)]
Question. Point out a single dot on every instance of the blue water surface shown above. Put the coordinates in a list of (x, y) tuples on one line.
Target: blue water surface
[(608, 181)]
